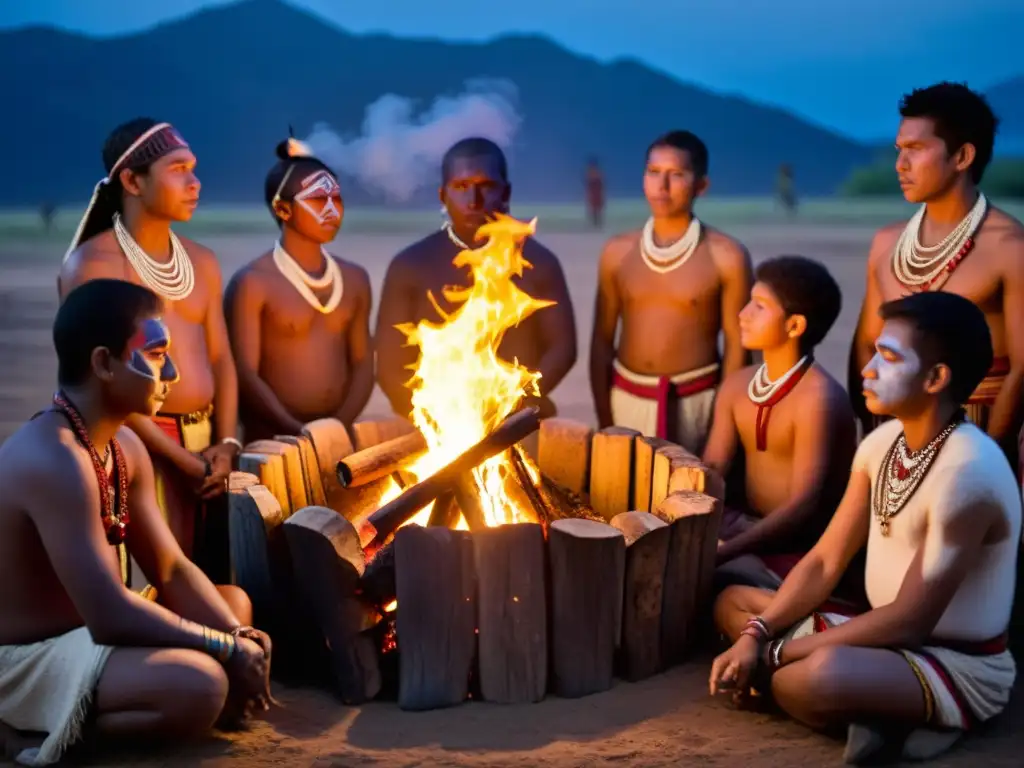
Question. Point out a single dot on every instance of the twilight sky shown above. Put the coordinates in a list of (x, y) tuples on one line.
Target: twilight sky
[(842, 63)]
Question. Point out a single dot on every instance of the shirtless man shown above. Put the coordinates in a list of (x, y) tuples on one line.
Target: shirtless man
[(791, 420), (299, 310), (957, 242), (940, 513), (125, 234), (77, 646), (675, 286), (474, 185)]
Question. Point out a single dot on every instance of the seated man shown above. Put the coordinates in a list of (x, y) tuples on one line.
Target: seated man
[(791, 420), (78, 496), (940, 512)]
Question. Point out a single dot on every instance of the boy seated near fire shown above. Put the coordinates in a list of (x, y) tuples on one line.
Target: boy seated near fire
[(791, 420)]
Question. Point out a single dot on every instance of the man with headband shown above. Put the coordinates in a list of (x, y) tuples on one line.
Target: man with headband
[(297, 308), (125, 234), (78, 650)]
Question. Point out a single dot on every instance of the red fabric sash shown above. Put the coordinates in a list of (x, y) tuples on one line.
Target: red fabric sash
[(663, 391)]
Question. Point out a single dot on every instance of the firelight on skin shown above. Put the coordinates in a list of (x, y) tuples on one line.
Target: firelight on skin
[(888, 376)]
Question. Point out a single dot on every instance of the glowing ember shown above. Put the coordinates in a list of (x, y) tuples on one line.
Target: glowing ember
[(461, 390)]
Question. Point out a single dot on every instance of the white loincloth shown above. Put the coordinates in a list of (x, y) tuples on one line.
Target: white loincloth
[(48, 687), (688, 415)]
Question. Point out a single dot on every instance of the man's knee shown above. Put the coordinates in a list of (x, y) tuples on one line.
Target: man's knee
[(199, 693), (237, 601), (813, 684), (734, 605)]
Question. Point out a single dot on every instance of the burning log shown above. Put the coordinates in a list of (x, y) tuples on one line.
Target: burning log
[(269, 468), (445, 513), (676, 469), (370, 432), (512, 608), (331, 443), (310, 468), (377, 461), (467, 498), (647, 542), (694, 519), (587, 572), (328, 563), (611, 470), (389, 517), (291, 466), (564, 453), (644, 451), (436, 616)]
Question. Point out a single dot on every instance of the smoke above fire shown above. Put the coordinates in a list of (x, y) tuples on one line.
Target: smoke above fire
[(400, 148)]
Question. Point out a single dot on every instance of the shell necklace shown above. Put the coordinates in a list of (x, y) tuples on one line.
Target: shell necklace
[(305, 284), (663, 260), (455, 238), (928, 267), (766, 394), (173, 280)]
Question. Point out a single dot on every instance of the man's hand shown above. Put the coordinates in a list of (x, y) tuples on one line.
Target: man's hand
[(249, 674), (732, 670), (221, 458)]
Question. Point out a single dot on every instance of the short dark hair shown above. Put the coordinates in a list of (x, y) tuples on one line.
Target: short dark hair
[(804, 287), (474, 146), (687, 142), (948, 329), (961, 116), (99, 313)]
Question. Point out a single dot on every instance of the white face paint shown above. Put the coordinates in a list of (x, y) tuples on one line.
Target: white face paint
[(893, 379), (318, 194)]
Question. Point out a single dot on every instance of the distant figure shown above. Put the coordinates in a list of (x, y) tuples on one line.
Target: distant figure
[(595, 193), (784, 189), (46, 213)]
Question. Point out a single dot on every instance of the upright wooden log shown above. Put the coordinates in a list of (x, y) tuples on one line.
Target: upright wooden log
[(644, 450), (328, 563), (436, 616), (694, 519), (611, 471), (587, 573), (564, 453), (647, 541), (269, 468), (310, 468), (676, 469), (512, 613), (370, 432), (332, 443), (467, 499), (380, 460), (292, 464), (445, 512), (254, 523), (237, 481)]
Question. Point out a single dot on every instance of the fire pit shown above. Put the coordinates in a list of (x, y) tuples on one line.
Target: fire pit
[(445, 541)]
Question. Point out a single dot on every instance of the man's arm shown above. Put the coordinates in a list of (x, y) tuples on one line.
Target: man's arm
[(814, 428), (723, 439), (244, 303), (1004, 421), (737, 275), (557, 328), (393, 355), (225, 377), (607, 308), (962, 516), (359, 349)]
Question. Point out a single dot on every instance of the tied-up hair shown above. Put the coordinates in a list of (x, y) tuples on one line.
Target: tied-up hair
[(136, 145)]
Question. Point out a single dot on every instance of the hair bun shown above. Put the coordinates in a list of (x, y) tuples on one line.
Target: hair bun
[(292, 148)]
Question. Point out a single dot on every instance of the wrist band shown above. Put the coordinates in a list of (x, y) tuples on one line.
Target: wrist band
[(218, 644), (757, 628), (231, 441)]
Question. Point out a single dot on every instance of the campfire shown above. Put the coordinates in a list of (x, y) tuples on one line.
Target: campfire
[(445, 542)]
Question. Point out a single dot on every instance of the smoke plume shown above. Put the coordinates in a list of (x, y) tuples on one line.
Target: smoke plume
[(400, 151)]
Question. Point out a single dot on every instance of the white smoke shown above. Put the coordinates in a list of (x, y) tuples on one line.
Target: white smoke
[(399, 151)]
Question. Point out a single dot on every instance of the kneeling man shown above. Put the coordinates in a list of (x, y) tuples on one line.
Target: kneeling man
[(76, 645), (939, 509)]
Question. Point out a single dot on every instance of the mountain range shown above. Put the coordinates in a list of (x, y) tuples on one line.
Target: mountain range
[(233, 78)]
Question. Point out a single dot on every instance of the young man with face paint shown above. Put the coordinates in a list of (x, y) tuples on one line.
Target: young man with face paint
[(78, 649), (298, 309), (788, 419), (125, 234), (475, 185), (674, 287), (939, 511), (957, 242)]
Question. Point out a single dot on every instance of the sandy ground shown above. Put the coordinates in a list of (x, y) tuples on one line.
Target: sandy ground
[(668, 720)]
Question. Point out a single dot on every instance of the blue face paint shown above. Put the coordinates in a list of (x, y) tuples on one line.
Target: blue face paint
[(147, 352)]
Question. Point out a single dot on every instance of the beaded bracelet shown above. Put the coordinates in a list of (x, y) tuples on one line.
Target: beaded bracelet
[(757, 628), (218, 644)]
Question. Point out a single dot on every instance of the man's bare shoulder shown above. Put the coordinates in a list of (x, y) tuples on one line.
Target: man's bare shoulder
[(544, 261), (204, 259), (729, 254), (97, 257), (617, 247), (828, 393), (419, 254), (1007, 231), (135, 452), (884, 241), (734, 386), (354, 275), (42, 452)]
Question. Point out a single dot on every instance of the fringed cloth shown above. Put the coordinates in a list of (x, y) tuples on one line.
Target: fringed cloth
[(964, 682), (48, 687), (677, 408)]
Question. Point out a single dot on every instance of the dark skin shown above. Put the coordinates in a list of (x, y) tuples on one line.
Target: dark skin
[(58, 573), (695, 302), (848, 674), (544, 342), (275, 332), (991, 276), (794, 485), (152, 201)]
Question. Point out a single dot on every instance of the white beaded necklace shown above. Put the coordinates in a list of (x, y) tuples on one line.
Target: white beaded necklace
[(173, 280), (305, 284), (447, 227), (663, 260), (915, 265), (761, 388)]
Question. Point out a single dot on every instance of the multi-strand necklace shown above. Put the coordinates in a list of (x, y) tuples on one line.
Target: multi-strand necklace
[(902, 471), (173, 280), (765, 394), (926, 268), (306, 284), (663, 260)]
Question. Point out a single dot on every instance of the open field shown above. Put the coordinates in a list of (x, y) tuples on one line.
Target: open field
[(667, 720)]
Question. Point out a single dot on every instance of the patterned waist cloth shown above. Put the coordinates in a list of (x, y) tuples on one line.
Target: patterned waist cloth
[(662, 389)]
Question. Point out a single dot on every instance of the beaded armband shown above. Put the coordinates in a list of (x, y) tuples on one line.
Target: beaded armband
[(220, 645)]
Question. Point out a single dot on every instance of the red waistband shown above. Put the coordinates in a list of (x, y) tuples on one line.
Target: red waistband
[(990, 647), (1000, 367), (663, 390)]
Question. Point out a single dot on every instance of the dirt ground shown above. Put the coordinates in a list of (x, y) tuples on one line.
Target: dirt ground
[(667, 720)]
